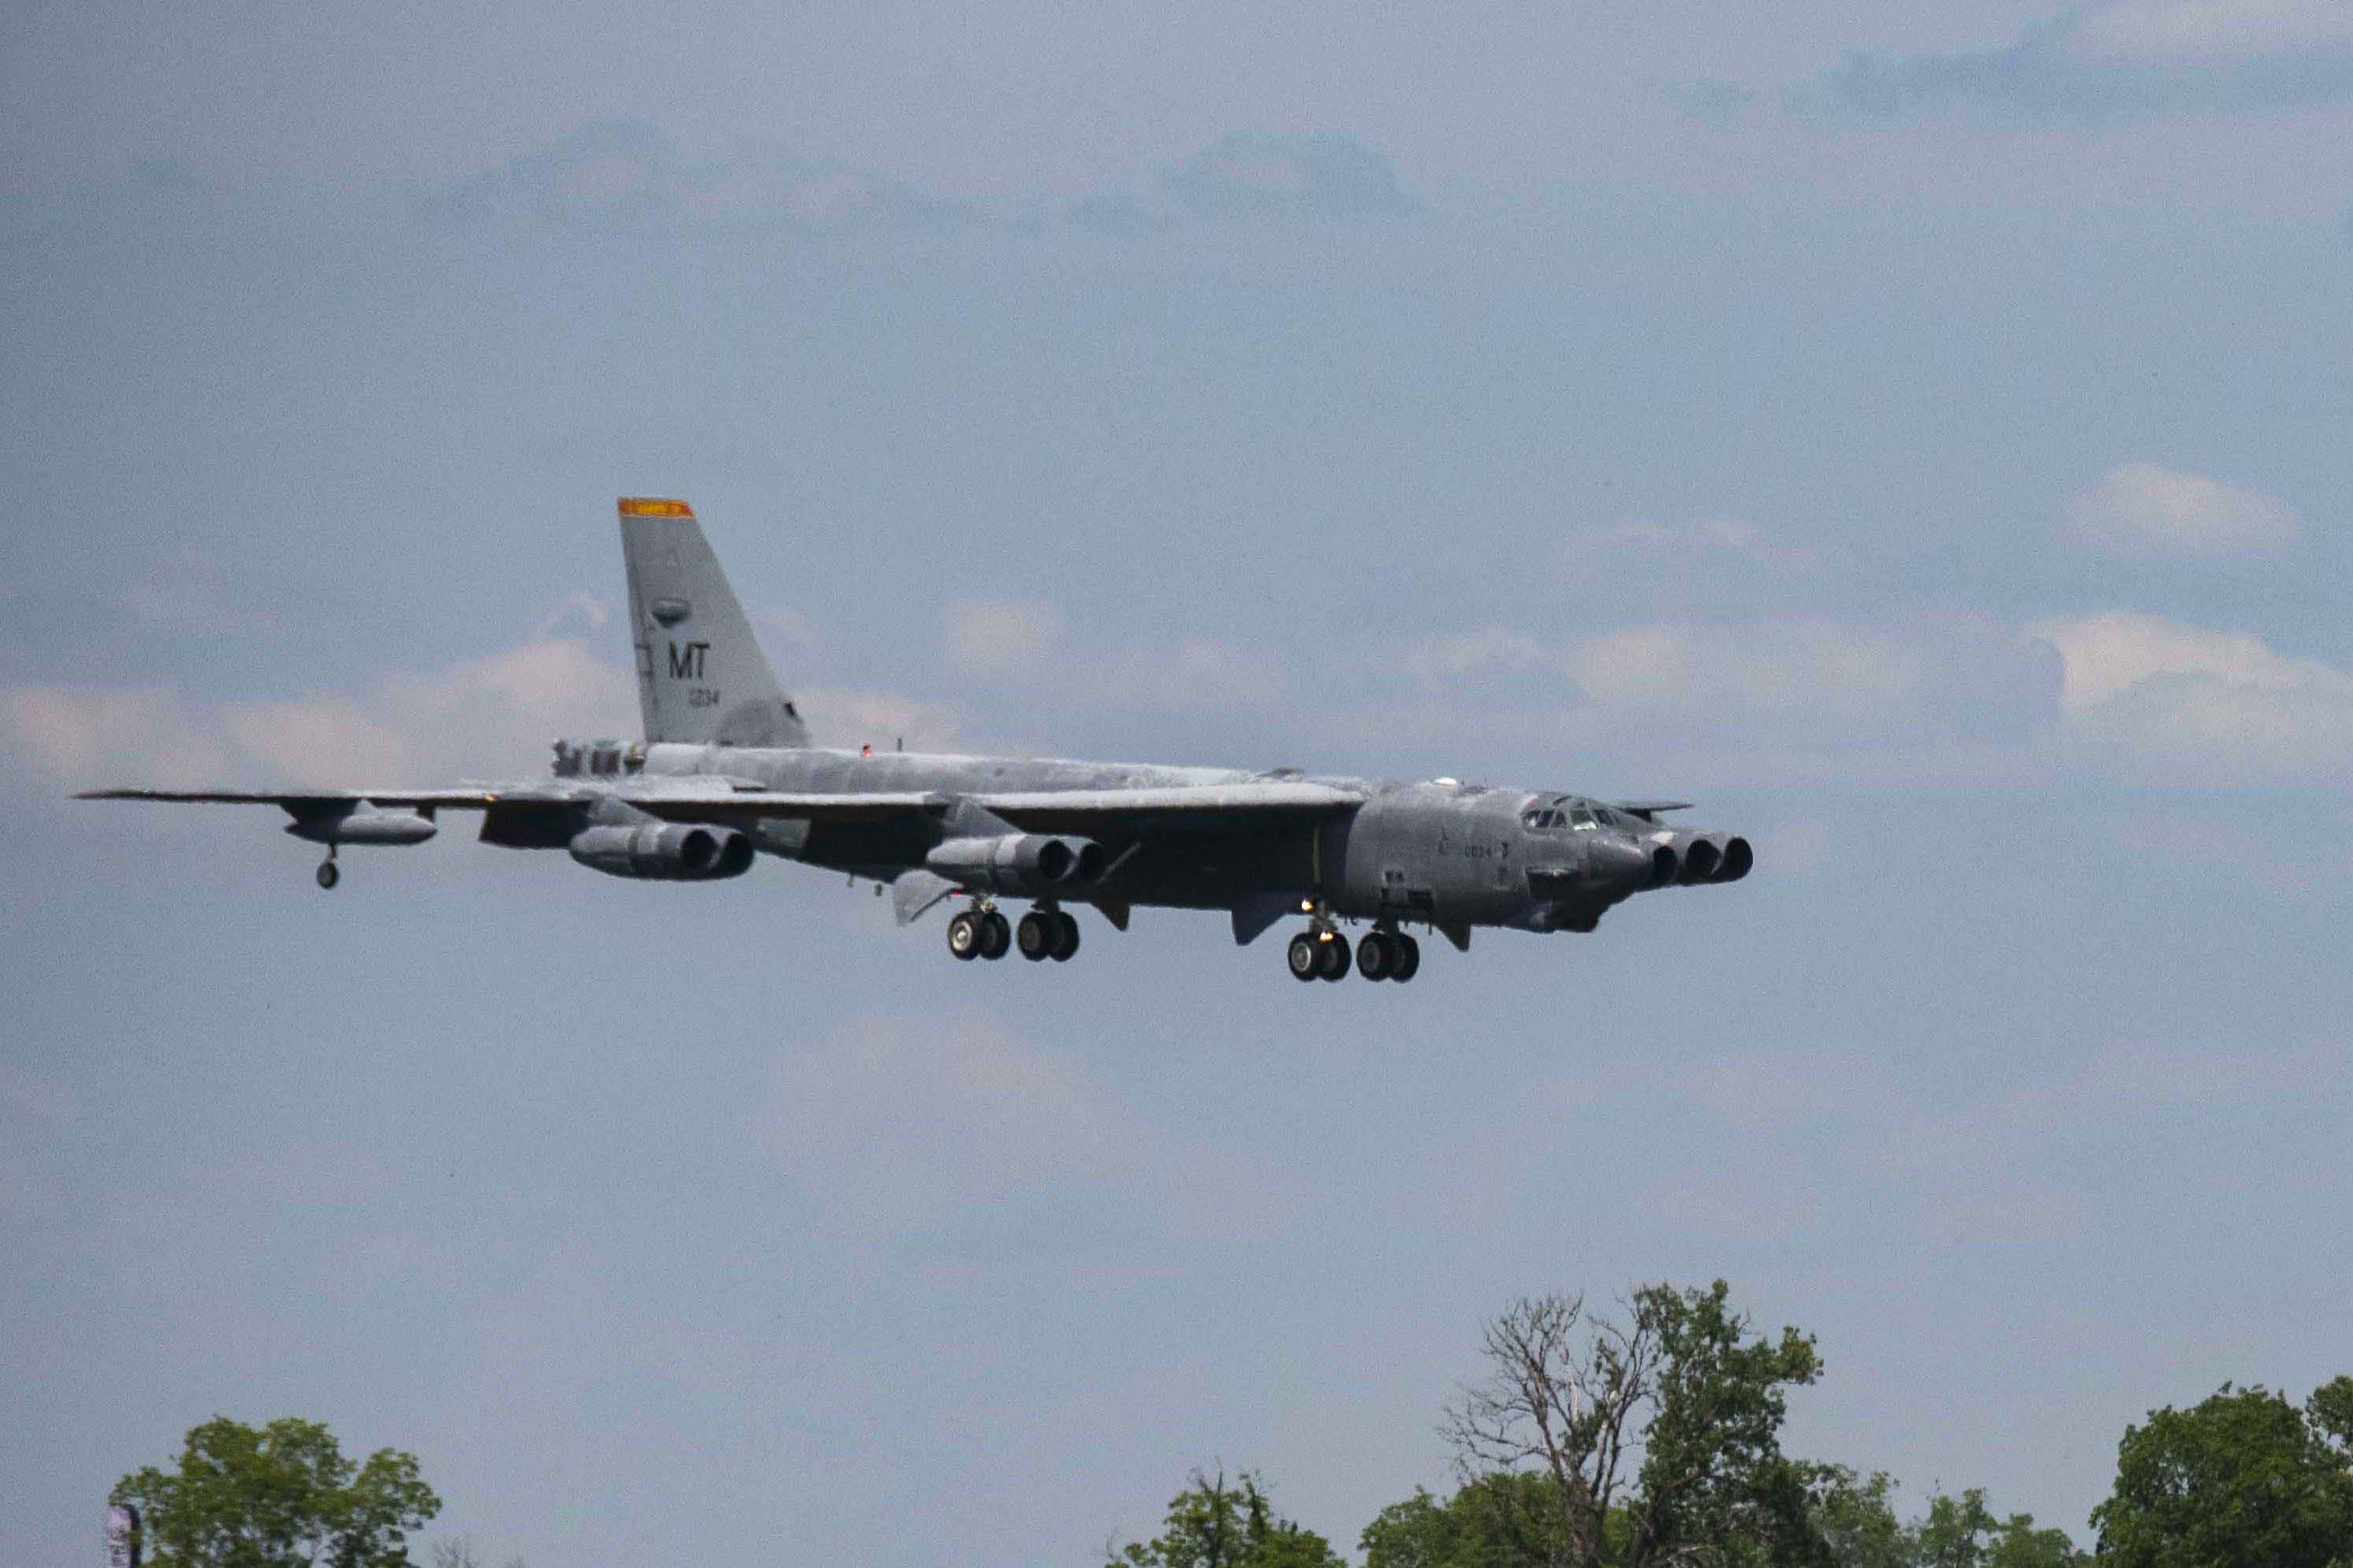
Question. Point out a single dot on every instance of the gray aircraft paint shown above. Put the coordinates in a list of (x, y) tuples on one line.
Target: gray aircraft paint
[(701, 675), (725, 769)]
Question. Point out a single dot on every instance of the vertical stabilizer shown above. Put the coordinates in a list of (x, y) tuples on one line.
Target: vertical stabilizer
[(702, 678)]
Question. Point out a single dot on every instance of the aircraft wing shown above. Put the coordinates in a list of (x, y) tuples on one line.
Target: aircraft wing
[(1040, 811), (470, 799), (706, 798)]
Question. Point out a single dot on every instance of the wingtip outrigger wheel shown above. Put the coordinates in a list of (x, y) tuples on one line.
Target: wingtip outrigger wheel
[(327, 874)]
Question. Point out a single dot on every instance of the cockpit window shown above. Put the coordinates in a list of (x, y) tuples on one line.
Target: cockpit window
[(1581, 819), (1607, 817)]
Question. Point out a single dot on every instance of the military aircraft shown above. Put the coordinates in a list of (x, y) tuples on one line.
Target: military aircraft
[(726, 772)]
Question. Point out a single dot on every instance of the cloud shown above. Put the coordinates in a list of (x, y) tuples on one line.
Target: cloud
[(188, 594), (89, 736), (2122, 58), (1026, 640), (2215, 29), (1483, 655), (1717, 104), (1821, 682), (1000, 637), (2108, 655), (1717, 570), (1999, 1169), (2140, 511), (481, 717), (1192, 673), (899, 1124), (467, 718), (1925, 696), (2130, 695), (627, 174), (1267, 175), (847, 717), (580, 611), (2177, 701)]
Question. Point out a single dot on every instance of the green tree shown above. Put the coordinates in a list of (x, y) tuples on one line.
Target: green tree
[(1211, 1524), (243, 1497), (1501, 1521), (1573, 1399), (2243, 1479), (1857, 1523), (1856, 1519)]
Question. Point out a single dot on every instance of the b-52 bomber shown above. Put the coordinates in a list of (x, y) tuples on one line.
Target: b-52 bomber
[(726, 772)]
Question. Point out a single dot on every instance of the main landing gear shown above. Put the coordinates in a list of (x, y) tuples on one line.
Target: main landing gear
[(1047, 933), (1043, 934), (1320, 952), (1388, 955)]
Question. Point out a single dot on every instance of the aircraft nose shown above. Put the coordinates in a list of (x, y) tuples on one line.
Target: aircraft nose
[(1617, 862)]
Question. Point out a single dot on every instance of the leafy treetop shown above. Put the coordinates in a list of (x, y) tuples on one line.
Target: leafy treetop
[(276, 1496)]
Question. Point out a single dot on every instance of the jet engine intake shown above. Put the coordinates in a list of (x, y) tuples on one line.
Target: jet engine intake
[(1702, 856), (664, 852), (1738, 857), (1020, 863)]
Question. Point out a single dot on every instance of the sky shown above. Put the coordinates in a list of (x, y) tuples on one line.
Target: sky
[(1915, 434)]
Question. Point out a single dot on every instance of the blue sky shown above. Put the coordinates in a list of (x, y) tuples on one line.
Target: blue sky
[(1915, 433)]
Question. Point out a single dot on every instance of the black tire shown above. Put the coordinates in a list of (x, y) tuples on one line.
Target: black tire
[(1066, 946), (964, 935), (1038, 935), (327, 874), (1408, 959), (996, 935), (1306, 956), (1376, 956), (1335, 961)]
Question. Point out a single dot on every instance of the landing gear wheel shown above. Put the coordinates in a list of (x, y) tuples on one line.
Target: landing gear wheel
[(1332, 963), (327, 874), (1407, 960), (1066, 946), (996, 935), (1376, 956), (1306, 956), (964, 936), (1038, 933)]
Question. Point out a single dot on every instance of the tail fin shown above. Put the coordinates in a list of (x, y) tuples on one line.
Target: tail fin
[(702, 678)]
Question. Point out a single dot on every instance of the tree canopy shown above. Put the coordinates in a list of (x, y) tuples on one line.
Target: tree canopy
[(2243, 1479), (246, 1497), (1211, 1524), (1574, 1398)]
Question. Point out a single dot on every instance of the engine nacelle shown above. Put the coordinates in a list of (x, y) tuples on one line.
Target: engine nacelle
[(1739, 860), (664, 852), (1018, 862), (1702, 853), (1713, 858)]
